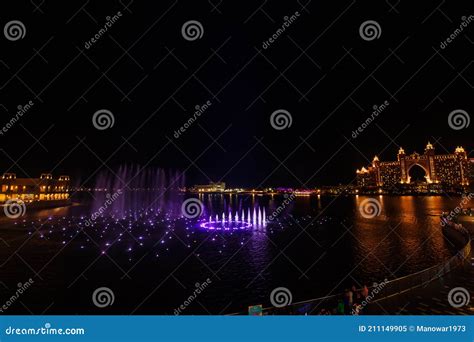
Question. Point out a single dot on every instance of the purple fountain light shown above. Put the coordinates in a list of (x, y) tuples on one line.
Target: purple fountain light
[(235, 222), (132, 188)]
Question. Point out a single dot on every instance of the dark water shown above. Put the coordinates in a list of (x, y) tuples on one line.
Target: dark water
[(153, 260)]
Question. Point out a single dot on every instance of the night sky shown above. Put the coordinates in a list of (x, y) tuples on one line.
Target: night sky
[(320, 70)]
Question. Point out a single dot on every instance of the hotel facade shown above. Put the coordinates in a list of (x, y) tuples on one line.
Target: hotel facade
[(211, 187), (445, 169), (44, 188)]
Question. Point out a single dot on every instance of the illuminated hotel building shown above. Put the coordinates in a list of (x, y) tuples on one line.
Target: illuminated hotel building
[(44, 188), (447, 169), (471, 168), (211, 187)]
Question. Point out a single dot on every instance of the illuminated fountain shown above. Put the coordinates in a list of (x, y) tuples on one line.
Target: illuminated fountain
[(133, 188), (233, 221)]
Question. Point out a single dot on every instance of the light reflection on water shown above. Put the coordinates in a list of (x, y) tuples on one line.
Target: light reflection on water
[(314, 246)]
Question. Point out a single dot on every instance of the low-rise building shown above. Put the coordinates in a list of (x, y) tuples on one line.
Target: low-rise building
[(44, 188), (211, 187)]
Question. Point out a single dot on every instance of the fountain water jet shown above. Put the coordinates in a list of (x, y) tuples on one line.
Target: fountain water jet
[(141, 189), (236, 222)]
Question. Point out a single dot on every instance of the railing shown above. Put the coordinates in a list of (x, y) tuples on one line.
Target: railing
[(426, 276), (383, 290)]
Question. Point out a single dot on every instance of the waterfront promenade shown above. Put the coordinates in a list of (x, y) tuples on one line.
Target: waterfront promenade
[(432, 299)]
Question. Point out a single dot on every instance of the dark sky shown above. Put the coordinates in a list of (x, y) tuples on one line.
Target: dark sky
[(320, 70)]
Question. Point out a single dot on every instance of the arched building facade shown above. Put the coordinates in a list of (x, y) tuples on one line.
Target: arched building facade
[(448, 169)]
